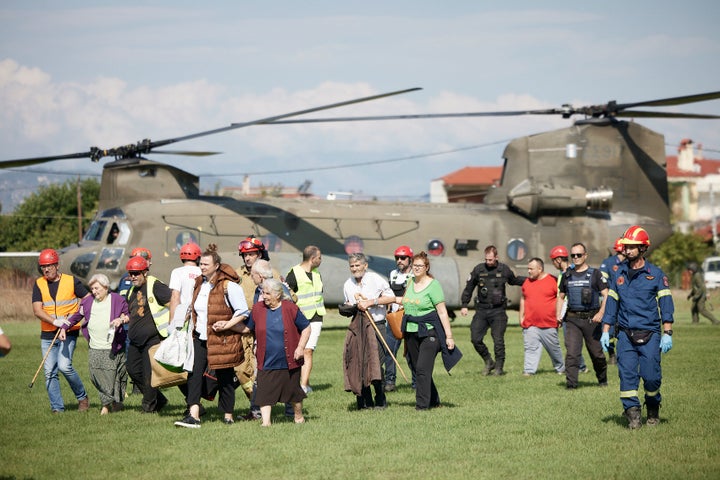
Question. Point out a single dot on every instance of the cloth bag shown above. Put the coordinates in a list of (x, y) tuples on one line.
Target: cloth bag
[(161, 376), (394, 319), (172, 351)]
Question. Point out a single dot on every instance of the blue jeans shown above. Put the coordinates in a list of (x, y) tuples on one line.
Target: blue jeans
[(60, 359)]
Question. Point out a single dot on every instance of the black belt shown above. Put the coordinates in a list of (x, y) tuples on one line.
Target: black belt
[(487, 306), (582, 313)]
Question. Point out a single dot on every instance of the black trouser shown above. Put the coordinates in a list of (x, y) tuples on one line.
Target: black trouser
[(496, 320), (140, 371), (422, 352), (225, 376), (578, 328)]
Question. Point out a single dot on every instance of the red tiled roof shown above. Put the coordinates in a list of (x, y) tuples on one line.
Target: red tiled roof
[(474, 176), (707, 167)]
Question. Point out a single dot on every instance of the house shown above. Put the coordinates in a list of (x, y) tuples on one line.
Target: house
[(467, 185), (694, 189)]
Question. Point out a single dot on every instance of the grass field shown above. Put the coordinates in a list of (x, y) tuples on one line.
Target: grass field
[(488, 427)]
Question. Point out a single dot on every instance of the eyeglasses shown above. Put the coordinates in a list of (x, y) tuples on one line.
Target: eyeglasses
[(134, 274), (401, 257), (577, 255), (43, 267), (422, 265)]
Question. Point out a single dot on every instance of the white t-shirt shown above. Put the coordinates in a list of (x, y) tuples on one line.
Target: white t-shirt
[(182, 279), (371, 286)]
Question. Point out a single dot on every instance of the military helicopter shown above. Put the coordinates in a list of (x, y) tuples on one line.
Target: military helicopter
[(587, 182)]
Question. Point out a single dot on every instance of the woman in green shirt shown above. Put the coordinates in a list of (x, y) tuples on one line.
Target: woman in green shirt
[(426, 328)]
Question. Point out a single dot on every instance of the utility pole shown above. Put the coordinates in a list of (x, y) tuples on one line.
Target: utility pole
[(79, 209), (713, 219)]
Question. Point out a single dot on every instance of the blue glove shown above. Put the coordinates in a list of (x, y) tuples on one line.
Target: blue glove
[(665, 343), (605, 341)]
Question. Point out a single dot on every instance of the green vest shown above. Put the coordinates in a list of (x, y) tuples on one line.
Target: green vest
[(309, 293), (160, 313)]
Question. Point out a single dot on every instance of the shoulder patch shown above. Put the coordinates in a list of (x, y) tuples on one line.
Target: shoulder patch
[(665, 282)]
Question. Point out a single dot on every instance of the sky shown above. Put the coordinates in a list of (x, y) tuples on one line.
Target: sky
[(76, 74)]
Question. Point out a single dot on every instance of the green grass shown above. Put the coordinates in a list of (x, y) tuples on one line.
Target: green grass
[(508, 427)]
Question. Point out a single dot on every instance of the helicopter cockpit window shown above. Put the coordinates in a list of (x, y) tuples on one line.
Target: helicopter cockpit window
[(113, 234), (516, 249), (110, 258), (354, 244), (95, 232), (112, 212), (184, 237), (435, 247)]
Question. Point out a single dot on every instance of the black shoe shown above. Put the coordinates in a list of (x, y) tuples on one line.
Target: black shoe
[(228, 421), (633, 417), (489, 367), (188, 422)]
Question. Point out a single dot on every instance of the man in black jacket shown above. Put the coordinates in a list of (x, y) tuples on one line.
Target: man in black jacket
[(489, 278)]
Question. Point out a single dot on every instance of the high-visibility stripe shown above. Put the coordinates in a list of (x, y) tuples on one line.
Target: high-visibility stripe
[(628, 394), (652, 394), (664, 292), (612, 293)]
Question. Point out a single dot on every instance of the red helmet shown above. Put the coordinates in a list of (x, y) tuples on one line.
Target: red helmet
[(141, 252), (403, 251), (48, 257), (559, 251), (137, 264), (618, 247), (635, 235), (190, 251), (251, 244)]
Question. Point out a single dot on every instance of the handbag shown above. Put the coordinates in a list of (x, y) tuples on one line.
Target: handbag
[(161, 376), (394, 319)]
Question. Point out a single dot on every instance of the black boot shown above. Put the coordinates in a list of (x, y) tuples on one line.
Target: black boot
[(380, 401), (653, 415), (633, 417), (499, 368), (489, 365)]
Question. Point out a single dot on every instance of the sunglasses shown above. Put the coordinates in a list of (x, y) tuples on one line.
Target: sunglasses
[(577, 255), (422, 265), (135, 274), (401, 257)]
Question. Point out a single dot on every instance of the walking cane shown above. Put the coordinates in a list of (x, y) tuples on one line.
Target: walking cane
[(44, 358), (387, 348)]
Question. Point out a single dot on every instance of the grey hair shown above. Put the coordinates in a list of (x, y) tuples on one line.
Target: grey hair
[(357, 257), (274, 286), (262, 268), (100, 278)]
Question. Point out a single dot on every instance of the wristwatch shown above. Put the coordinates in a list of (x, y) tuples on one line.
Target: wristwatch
[(668, 332)]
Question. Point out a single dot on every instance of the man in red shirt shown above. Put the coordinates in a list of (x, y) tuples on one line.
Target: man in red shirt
[(538, 318)]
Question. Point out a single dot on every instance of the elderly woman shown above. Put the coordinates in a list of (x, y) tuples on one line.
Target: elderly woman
[(427, 331), (281, 332), (103, 314), (218, 305)]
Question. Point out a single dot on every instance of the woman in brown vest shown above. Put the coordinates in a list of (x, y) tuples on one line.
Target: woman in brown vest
[(218, 304)]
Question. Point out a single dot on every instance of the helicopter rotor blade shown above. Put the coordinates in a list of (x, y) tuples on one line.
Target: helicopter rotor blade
[(233, 126), (645, 114), (189, 153), (146, 146), (664, 102), (418, 116)]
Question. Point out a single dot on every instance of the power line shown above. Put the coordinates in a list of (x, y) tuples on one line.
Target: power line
[(359, 164)]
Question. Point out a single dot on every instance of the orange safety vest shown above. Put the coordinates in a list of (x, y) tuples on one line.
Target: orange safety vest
[(64, 304)]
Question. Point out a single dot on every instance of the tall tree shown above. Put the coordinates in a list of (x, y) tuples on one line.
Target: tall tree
[(48, 217)]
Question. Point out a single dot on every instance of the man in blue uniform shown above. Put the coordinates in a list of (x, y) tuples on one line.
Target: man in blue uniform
[(639, 301), (608, 267)]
